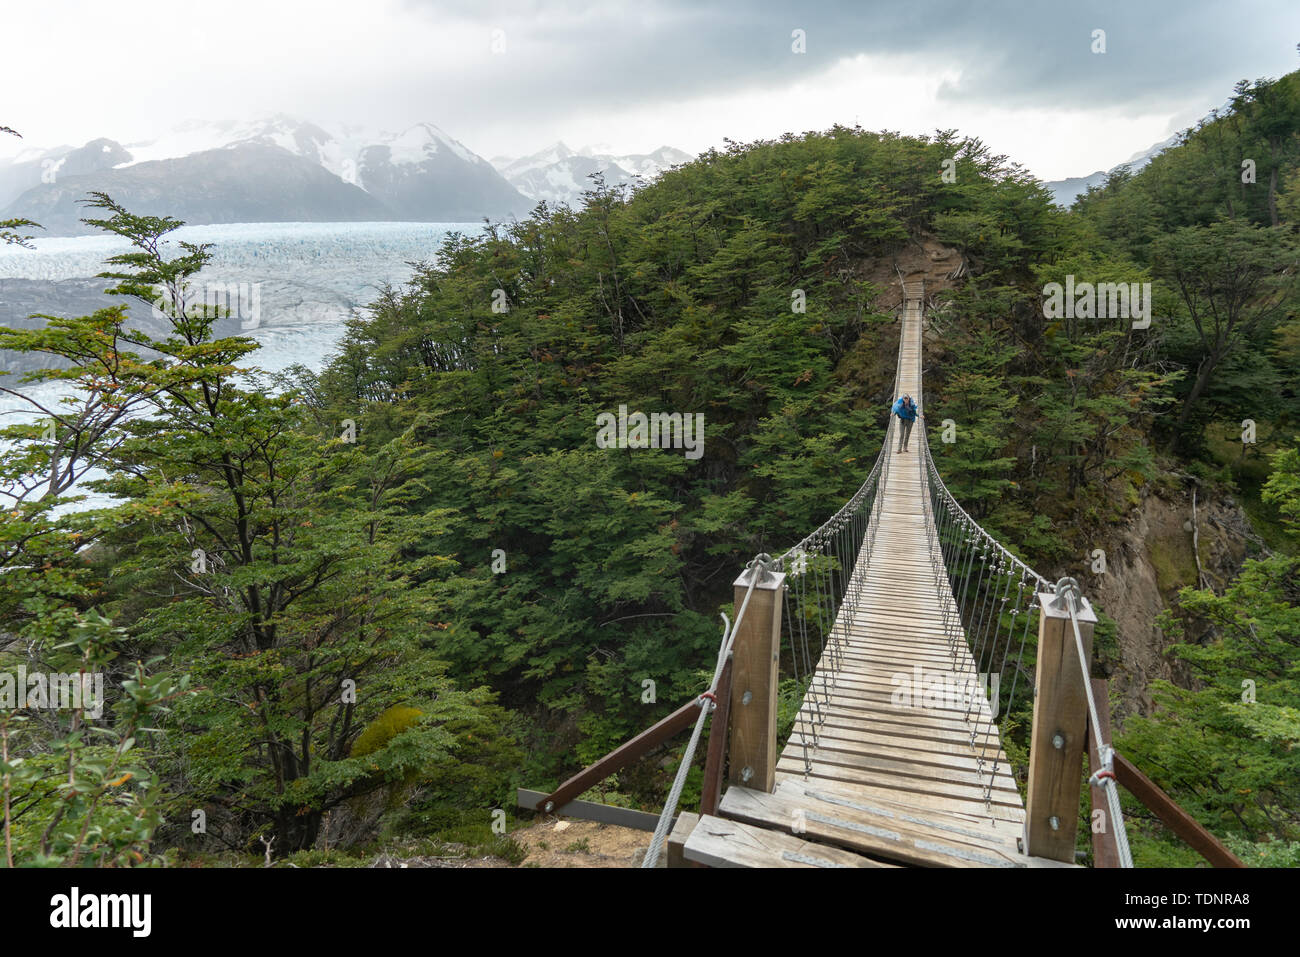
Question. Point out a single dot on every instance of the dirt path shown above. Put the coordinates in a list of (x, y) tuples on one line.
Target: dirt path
[(549, 843), (553, 843)]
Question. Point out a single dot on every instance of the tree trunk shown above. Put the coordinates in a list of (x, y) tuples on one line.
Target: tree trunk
[(1198, 387), (1272, 195)]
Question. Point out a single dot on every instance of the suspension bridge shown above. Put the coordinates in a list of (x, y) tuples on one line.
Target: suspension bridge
[(914, 638)]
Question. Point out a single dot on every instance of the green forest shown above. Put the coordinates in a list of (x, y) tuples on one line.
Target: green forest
[(352, 610)]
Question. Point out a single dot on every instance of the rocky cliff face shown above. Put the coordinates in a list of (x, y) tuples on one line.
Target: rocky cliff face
[(22, 299), (281, 306), (1149, 559)]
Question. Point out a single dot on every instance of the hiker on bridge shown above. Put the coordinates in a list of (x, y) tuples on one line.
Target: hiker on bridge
[(906, 410)]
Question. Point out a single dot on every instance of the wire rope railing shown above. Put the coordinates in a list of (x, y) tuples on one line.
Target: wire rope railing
[(825, 576)]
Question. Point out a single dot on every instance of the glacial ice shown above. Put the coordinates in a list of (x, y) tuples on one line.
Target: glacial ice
[(314, 276)]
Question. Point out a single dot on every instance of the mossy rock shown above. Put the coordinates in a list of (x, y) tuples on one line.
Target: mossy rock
[(1173, 562), (384, 728)]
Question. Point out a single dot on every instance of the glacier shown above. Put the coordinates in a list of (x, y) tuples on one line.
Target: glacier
[(314, 277)]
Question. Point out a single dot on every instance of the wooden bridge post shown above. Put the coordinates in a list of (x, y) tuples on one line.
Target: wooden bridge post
[(755, 657), (1060, 730)]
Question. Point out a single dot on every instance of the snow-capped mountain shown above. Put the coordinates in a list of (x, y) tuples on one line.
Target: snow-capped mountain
[(272, 169), (428, 176), (240, 183), (558, 174), (646, 165), (1065, 191), (33, 166)]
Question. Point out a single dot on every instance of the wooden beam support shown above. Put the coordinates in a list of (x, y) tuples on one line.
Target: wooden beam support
[(755, 653), (677, 839), (590, 811), (1060, 725), (621, 757), (1178, 820), (1105, 846)]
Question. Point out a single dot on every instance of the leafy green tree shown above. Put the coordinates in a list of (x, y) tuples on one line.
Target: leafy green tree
[(984, 414), (76, 789), (266, 554), (1234, 281), (1271, 111)]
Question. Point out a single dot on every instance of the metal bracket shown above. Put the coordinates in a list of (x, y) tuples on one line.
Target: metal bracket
[(762, 566), (1068, 596)]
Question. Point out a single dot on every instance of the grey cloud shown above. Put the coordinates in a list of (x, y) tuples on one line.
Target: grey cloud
[(572, 54)]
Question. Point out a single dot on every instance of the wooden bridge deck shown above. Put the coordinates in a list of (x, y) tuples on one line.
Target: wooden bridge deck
[(886, 782)]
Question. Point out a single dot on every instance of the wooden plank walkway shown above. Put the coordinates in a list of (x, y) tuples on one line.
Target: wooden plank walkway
[(895, 781)]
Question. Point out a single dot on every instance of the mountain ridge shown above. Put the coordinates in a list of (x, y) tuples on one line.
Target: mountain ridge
[(419, 174), (558, 174)]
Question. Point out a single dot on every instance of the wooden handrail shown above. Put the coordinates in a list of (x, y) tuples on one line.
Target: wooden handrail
[(1105, 851), (753, 659), (622, 756), (1179, 821)]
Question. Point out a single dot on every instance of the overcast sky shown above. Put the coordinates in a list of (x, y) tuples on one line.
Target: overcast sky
[(510, 77)]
